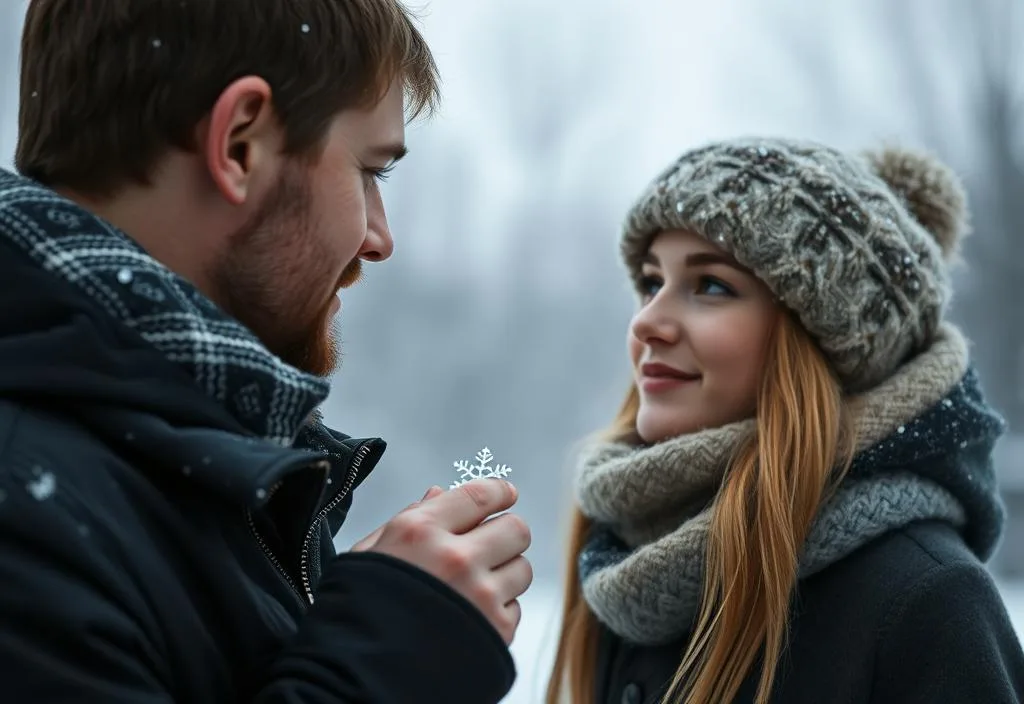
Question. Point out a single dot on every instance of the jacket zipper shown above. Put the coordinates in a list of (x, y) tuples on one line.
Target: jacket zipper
[(350, 479), (271, 557)]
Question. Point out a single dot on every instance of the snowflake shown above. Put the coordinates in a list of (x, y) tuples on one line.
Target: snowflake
[(481, 470)]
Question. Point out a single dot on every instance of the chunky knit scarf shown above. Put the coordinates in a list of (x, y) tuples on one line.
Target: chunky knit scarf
[(924, 440), (269, 398)]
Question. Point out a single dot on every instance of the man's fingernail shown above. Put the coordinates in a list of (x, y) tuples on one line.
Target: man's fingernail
[(432, 492)]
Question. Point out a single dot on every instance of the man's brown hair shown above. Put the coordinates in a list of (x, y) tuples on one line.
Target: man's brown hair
[(108, 85)]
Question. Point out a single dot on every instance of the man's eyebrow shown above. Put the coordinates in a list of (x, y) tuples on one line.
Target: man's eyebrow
[(393, 152)]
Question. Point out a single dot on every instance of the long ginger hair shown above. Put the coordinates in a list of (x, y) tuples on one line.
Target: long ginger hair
[(771, 493)]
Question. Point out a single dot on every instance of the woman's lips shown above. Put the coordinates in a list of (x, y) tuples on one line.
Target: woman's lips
[(655, 384), (656, 377)]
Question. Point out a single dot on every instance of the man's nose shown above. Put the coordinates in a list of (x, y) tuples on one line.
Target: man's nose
[(378, 245)]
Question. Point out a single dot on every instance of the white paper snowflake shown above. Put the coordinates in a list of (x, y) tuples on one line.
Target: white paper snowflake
[(481, 470)]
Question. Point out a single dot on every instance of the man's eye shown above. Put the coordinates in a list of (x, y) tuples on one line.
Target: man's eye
[(378, 175)]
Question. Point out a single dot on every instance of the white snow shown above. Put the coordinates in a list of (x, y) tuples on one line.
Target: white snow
[(534, 646)]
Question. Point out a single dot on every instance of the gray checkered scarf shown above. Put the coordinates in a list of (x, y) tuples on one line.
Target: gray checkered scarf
[(268, 397)]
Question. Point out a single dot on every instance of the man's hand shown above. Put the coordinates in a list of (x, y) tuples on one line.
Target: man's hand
[(452, 536)]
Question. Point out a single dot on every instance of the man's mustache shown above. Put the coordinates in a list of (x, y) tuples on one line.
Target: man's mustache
[(352, 274)]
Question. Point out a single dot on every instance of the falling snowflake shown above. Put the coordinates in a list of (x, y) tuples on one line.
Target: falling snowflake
[(43, 487), (481, 470)]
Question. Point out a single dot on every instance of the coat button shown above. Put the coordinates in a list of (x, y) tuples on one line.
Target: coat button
[(632, 694)]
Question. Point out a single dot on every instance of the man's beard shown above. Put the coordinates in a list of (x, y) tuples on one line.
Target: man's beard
[(317, 351), (263, 281)]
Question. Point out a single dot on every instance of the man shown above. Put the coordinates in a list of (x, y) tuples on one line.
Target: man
[(199, 179)]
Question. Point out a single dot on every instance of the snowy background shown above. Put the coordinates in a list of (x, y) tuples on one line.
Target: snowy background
[(500, 320)]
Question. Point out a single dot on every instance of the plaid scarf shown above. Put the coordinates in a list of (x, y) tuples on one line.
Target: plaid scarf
[(268, 397)]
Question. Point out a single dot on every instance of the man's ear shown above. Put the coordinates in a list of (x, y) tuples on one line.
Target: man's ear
[(241, 138)]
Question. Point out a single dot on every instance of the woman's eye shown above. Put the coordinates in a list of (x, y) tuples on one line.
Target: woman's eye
[(649, 285), (710, 286)]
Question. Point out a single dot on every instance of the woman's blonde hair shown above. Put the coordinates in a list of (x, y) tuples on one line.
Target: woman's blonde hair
[(761, 516)]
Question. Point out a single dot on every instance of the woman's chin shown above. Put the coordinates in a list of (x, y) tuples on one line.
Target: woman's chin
[(659, 430)]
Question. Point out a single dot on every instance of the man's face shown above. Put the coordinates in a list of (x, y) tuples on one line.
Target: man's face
[(308, 237)]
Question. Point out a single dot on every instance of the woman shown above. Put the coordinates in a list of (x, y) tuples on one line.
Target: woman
[(796, 499)]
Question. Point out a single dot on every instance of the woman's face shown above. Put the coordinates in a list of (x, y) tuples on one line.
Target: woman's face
[(698, 342)]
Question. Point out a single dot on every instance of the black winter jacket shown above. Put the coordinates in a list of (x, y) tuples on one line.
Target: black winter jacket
[(911, 618), (153, 547)]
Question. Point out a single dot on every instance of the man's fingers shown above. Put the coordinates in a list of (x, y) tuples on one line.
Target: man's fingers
[(369, 541), (501, 539), (512, 617), (514, 578), (465, 507), (431, 493)]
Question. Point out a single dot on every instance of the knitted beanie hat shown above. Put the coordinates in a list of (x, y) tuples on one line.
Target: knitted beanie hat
[(855, 245)]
